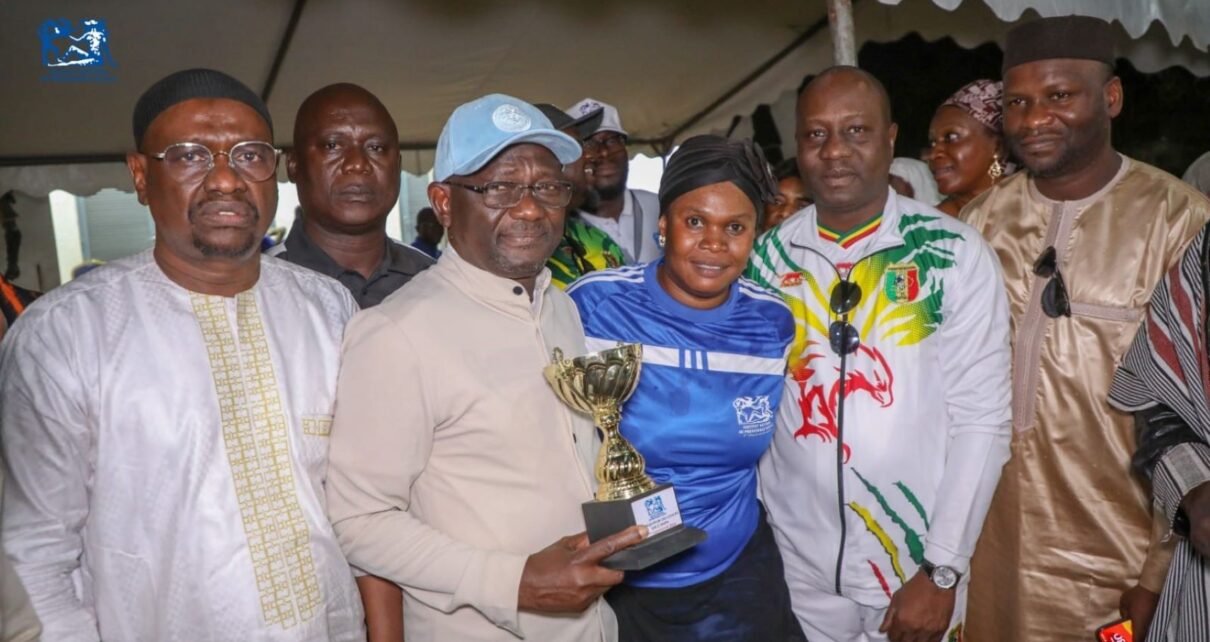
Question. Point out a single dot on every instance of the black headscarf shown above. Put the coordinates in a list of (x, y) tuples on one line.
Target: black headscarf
[(708, 159)]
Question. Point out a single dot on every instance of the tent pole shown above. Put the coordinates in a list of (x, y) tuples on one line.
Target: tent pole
[(280, 56), (840, 23)]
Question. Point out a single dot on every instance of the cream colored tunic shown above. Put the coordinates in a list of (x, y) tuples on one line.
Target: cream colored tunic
[(164, 457), (1070, 527), (18, 621), (452, 460)]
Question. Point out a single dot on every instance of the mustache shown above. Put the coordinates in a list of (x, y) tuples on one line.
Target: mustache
[(239, 206), (526, 229)]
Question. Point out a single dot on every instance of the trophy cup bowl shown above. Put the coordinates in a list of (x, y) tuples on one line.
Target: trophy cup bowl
[(597, 384)]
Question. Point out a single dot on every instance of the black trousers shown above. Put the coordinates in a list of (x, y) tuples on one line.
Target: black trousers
[(748, 602)]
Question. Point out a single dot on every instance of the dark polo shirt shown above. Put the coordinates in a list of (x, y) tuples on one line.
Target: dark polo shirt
[(399, 265)]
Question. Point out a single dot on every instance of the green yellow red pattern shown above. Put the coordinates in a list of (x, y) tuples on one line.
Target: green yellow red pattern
[(883, 322), (853, 236), (912, 537), (903, 323), (582, 249)]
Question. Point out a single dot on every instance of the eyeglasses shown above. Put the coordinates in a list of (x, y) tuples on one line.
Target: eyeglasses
[(842, 336), (1055, 302), (609, 144), (252, 160), (505, 194)]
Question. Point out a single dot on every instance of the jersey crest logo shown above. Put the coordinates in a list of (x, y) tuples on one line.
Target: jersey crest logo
[(753, 414), (902, 282), (791, 279)]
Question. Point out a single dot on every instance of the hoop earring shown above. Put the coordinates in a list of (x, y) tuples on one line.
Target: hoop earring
[(996, 169), (661, 239)]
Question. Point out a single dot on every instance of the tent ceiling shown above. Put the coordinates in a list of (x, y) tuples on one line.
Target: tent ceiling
[(1183, 18), (661, 61)]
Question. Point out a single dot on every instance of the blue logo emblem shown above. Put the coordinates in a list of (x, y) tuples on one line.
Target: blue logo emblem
[(654, 506), (71, 54)]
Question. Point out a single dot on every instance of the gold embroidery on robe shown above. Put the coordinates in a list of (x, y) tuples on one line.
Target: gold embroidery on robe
[(255, 433)]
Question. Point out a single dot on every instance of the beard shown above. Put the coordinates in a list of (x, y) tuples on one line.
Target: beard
[(1058, 166), (210, 250), (1080, 148), (521, 263), (617, 185), (610, 192), (239, 249)]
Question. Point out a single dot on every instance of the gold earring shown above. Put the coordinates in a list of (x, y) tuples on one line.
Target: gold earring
[(996, 169), (662, 240)]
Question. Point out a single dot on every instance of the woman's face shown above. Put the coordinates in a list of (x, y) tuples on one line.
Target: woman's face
[(709, 234), (791, 197), (961, 150)]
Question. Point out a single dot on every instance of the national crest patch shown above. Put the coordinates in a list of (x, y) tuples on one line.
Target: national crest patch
[(902, 282)]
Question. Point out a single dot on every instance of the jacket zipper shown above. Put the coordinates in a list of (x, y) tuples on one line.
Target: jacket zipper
[(840, 494)]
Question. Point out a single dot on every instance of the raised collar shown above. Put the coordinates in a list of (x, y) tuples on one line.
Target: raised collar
[(496, 292), (806, 234)]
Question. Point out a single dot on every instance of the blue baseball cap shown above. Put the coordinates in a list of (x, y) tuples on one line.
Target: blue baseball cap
[(479, 130)]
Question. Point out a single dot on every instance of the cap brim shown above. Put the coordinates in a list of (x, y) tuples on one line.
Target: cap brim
[(608, 128), (587, 124), (558, 118), (564, 147)]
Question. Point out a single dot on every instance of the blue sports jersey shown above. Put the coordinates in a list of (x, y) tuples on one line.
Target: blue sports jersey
[(705, 406)]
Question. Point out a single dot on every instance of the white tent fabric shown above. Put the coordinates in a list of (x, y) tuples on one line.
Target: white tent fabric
[(1183, 18), (81, 179), (667, 64)]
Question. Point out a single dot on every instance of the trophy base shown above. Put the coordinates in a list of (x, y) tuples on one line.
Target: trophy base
[(655, 549), (658, 511)]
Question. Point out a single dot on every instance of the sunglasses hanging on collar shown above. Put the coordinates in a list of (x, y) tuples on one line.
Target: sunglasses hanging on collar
[(842, 336), (1055, 302)]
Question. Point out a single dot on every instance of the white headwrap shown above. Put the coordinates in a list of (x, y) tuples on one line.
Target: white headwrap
[(917, 174)]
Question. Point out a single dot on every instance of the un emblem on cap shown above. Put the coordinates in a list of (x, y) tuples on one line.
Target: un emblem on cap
[(510, 118)]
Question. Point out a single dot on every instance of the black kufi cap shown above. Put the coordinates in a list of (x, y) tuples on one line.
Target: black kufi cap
[(1079, 37), (186, 85), (708, 159)]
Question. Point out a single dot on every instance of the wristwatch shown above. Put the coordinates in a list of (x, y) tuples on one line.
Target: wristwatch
[(945, 577)]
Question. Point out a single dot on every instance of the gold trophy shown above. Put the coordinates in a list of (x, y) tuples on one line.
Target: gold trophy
[(597, 384)]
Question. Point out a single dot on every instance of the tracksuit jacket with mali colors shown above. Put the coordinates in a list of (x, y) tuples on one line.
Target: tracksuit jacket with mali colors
[(856, 504)]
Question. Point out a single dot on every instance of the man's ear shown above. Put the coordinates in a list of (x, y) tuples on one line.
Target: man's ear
[(1113, 96), (137, 164), (292, 165), (439, 198), (892, 134)]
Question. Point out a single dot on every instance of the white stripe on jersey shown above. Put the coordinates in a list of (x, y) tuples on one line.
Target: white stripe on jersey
[(628, 274), (700, 359), (746, 364), (755, 291)]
